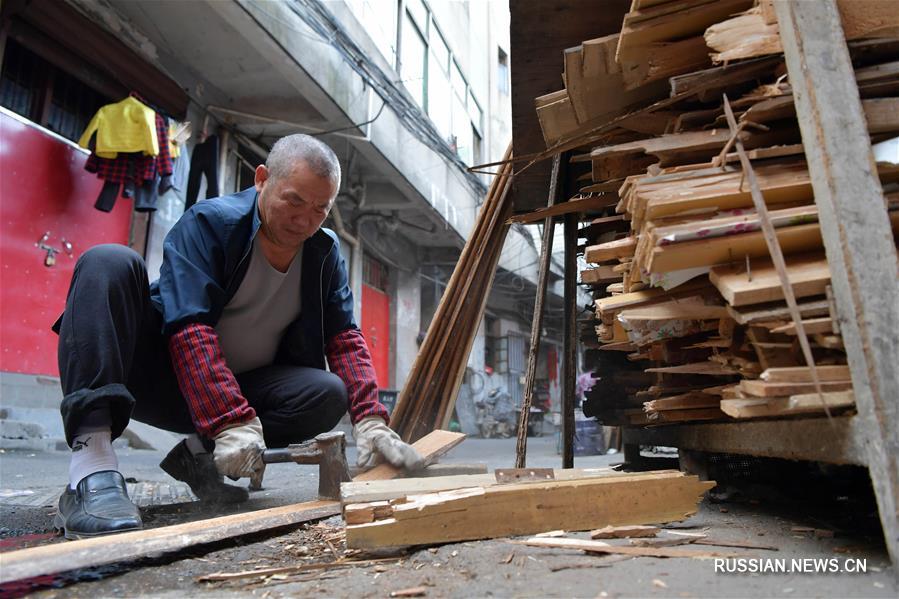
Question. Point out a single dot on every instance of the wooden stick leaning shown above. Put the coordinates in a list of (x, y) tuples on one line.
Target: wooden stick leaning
[(777, 257), (521, 445)]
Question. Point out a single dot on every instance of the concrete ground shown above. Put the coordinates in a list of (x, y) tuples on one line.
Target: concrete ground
[(783, 514)]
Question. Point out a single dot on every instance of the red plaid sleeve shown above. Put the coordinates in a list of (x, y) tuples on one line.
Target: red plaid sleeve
[(164, 159), (349, 359), (213, 396)]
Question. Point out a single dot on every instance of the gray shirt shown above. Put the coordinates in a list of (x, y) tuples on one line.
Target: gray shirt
[(255, 319)]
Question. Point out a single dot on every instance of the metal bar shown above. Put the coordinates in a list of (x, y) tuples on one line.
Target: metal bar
[(569, 363), (546, 250), (861, 251)]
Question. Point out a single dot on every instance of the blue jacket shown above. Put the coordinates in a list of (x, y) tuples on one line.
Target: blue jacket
[(206, 256)]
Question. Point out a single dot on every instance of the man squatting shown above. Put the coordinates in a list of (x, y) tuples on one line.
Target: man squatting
[(230, 346)]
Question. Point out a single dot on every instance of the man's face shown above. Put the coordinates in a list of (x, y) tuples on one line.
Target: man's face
[(293, 207)]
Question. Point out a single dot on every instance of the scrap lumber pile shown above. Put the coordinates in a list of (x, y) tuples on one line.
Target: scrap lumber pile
[(428, 397), (691, 319), (429, 511)]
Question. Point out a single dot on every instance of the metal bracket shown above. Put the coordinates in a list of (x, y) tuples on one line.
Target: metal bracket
[(522, 475)]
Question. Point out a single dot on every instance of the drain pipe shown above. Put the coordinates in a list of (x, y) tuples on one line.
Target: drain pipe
[(356, 265)]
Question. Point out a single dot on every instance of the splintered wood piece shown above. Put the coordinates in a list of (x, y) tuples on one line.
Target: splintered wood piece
[(431, 446), (529, 508), (624, 532), (601, 547)]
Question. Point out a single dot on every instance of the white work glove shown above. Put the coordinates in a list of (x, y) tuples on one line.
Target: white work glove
[(375, 442), (238, 451)]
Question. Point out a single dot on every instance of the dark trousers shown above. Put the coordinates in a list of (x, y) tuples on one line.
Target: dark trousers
[(203, 161), (112, 352)]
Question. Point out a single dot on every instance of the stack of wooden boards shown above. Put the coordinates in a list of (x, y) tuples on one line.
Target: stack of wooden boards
[(691, 322), (458, 508), (427, 400)]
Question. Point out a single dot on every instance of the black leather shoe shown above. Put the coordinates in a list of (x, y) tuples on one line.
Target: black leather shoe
[(98, 505), (201, 475)]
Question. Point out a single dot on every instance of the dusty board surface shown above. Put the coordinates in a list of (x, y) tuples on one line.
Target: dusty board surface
[(514, 509), (60, 557)]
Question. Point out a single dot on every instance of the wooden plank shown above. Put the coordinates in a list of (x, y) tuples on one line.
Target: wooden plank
[(598, 274), (383, 490), (612, 250), (515, 509), (556, 118), (87, 553), (604, 548), (761, 388), (777, 311), (731, 248), (753, 34), (816, 439), (809, 274), (595, 83), (804, 404), (431, 446), (706, 368), (859, 243), (801, 374), (681, 402), (579, 205)]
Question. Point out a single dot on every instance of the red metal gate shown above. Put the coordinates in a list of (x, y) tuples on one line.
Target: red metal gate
[(46, 197), (376, 329)]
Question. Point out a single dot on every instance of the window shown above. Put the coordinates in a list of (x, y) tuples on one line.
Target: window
[(374, 273), (502, 73), (39, 91), (437, 83), (413, 64)]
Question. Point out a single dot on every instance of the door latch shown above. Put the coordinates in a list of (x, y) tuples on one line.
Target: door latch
[(50, 258)]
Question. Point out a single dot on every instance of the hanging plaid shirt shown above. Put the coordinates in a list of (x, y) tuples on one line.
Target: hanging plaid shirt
[(134, 166)]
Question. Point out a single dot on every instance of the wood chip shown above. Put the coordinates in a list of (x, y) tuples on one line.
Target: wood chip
[(410, 592)]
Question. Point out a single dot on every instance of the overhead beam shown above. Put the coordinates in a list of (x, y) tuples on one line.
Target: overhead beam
[(860, 248)]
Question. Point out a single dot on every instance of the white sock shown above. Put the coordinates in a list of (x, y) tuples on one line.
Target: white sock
[(92, 448), (195, 444)]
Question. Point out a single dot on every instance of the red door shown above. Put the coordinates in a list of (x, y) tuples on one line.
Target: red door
[(44, 189), (376, 329)]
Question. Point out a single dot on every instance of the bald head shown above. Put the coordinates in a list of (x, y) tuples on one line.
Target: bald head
[(290, 150)]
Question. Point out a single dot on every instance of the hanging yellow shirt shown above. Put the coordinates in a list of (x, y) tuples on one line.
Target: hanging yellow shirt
[(126, 126)]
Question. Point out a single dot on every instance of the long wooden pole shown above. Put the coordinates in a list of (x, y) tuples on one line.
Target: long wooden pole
[(546, 250), (861, 252)]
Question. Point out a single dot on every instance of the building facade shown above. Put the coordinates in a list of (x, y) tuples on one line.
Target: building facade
[(409, 93)]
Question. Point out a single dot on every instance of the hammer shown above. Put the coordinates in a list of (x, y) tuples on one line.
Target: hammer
[(328, 450)]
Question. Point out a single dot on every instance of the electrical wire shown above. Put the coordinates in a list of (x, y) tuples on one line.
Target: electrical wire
[(320, 20)]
